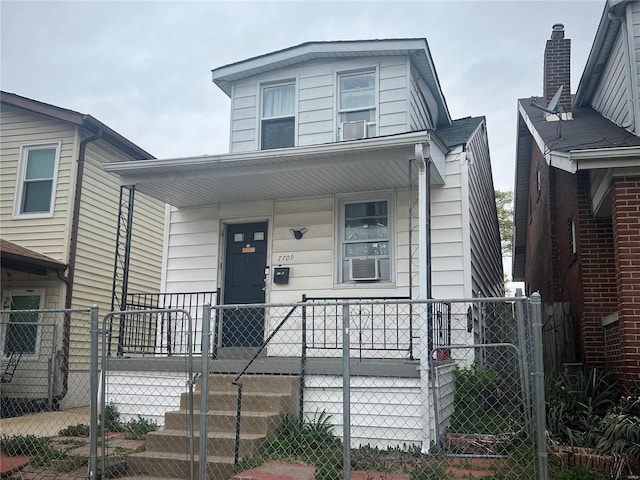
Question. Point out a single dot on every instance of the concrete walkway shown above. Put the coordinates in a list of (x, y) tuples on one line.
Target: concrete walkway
[(44, 424)]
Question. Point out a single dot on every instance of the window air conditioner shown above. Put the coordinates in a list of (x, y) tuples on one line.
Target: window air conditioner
[(353, 130), (364, 268)]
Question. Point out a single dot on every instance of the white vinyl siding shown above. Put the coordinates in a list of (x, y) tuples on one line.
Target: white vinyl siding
[(316, 102), (394, 96), (420, 113), (448, 247), (49, 235), (145, 394), (311, 258), (192, 250), (486, 253), (611, 97), (385, 411)]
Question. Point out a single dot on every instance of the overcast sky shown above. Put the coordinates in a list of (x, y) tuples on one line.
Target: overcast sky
[(144, 68)]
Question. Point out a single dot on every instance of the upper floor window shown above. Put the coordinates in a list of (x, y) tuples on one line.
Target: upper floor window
[(278, 116), (357, 101), (35, 188)]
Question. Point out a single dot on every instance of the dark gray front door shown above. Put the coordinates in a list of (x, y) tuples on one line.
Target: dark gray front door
[(246, 249)]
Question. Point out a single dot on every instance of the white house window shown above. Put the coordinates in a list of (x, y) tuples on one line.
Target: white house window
[(35, 188), (278, 116), (22, 333), (357, 100), (365, 240)]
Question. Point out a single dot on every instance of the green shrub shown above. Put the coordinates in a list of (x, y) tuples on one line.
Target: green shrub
[(474, 412), (576, 402), (28, 445), (137, 429), (110, 419), (79, 430)]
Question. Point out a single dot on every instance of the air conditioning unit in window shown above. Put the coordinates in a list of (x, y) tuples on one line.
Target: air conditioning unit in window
[(367, 268), (353, 130)]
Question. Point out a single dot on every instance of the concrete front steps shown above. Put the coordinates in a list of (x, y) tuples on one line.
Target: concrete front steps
[(266, 400)]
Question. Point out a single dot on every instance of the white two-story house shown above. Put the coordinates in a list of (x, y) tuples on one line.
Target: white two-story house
[(346, 177)]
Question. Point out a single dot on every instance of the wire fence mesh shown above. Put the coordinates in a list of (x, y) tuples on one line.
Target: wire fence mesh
[(44, 401), (388, 387)]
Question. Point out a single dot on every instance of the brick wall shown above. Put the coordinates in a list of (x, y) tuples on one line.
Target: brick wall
[(539, 262), (626, 227), (598, 268)]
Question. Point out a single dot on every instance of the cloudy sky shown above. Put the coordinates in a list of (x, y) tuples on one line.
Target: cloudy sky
[(143, 67)]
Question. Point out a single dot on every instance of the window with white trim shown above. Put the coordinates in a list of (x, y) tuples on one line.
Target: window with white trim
[(22, 332), (365, 240), (35, 187), (357, 101), (278, 120)]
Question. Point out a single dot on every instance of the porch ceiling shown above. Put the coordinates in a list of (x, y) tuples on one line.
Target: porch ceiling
[(372, 164)]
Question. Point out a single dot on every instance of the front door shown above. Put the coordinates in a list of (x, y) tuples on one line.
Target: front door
[(244, 282)]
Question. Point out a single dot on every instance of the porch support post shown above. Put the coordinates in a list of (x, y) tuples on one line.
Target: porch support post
[(122, 259), (423, 159)]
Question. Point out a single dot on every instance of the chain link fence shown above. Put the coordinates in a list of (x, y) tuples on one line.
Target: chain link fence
[(392, 388), (44, 392)]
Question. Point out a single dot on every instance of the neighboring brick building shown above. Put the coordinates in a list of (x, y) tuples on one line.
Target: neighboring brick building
[(577, 199)]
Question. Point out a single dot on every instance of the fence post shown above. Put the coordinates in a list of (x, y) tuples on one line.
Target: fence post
[(204, 391), (93, 396), (541, 419), (525, 368), (346, 394)]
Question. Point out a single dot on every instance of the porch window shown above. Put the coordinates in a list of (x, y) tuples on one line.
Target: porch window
[(357, 101), (21, 333), (35, 188), (278, 116), (365, 240)]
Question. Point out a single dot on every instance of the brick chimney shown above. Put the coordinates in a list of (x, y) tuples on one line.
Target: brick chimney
[(557, 67)]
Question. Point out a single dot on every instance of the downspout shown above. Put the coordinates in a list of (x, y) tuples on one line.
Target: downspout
[(68, 280), (423, 160)]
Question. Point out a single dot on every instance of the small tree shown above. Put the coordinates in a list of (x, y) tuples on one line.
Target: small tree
[(504, 205)]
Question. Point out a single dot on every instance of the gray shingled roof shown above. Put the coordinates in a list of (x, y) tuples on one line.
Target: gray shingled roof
[(587, 130), (460, 131)]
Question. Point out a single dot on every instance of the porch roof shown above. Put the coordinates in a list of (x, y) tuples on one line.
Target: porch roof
[(372, 164), (15, 257)]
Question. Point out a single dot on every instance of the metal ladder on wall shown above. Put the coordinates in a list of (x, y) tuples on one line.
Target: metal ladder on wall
[(10, 368)]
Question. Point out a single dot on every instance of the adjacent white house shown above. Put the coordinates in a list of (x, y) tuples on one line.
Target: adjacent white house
[(346, 178)]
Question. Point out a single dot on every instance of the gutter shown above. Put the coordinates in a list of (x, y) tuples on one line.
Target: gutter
[(68, 280), (294, 154)]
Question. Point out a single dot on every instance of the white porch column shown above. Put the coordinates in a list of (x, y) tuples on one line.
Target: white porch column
[(423, 159)]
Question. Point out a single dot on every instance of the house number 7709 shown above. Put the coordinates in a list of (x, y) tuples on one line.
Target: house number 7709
[(285, 258)]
